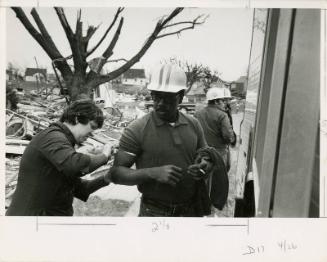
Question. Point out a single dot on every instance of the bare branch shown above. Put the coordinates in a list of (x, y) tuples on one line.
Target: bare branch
[(63, 20), (192, 25), (109, 51), (50, 49), (79, 47), (119, 10), (175, 12), (90, 32), (159, 26), (116, 60), (42, 29), (194, 22)]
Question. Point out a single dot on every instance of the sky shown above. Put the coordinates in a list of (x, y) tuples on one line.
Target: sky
[(222, 42)]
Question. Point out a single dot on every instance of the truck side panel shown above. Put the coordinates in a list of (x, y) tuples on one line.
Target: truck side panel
[(297, 152)]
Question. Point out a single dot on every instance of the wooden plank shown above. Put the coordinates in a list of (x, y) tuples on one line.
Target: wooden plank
[(14, 149)]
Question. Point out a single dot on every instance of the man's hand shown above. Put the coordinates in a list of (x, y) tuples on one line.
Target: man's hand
[(168, 174), (107, 150), (196, 172), (107, 177)]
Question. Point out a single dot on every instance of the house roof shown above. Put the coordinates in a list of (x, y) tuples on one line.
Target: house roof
[(134, 73), (241, 79), (33, 71), (197, 89)]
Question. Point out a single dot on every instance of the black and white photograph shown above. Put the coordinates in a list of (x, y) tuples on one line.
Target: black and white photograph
[(162, 112), (145, 113)]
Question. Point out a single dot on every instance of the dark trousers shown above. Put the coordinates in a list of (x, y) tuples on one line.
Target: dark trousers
[(154, 208)]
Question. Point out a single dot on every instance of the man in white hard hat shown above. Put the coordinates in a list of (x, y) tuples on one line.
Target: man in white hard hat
[(163, 145), (216, 123)]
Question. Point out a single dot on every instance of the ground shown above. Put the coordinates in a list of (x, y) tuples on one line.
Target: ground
[(97, 207)]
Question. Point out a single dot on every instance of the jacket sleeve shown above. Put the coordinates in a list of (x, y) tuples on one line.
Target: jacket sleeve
[(80, 189), (227, 130), (83, 188), (59, 151), (201, 139)]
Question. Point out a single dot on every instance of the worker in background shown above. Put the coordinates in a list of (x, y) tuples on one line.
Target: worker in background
[(50, 169), (216, 121), (163, 145)]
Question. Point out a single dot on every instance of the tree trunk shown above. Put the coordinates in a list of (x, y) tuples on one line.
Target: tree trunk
[(79, 88)]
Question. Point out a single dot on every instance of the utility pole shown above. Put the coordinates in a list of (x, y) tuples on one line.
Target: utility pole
[(37, 76)]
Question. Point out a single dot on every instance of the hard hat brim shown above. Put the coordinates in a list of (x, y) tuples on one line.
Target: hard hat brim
[(171, 89)]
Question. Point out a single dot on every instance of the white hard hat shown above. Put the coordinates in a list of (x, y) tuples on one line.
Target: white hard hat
[(167, 78), (218, 93), (227, 94)]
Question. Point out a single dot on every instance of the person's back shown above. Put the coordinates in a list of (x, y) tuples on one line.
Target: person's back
[(216, 124)]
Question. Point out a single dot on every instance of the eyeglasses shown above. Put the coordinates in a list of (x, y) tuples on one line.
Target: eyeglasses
[(166, 98)]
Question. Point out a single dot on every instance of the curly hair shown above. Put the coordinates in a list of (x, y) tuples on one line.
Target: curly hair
[(83, 110)]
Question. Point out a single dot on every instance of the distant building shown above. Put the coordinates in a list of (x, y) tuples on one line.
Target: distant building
[(197, 93), (36, 75), (239, 87), (51, 78), (14, 79), (104, 95), (134, 77)]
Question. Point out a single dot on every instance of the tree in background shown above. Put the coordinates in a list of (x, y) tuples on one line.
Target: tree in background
[(193, 71), (78, 79), (196, 72), (209, 77), (11, 98)]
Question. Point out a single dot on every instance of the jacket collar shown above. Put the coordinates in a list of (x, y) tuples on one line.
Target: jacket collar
[(217, 107), (181, 120), (65, 130)]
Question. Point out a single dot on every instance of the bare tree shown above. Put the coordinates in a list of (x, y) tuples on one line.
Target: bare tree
[(193, 71), (209, 77), (80, 80)]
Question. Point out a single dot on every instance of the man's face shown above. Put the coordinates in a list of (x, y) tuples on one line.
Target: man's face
[(81, 132), (222, 104), (165, 105)]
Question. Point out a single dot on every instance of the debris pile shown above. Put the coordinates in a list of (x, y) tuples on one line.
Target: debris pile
[(12, 166)]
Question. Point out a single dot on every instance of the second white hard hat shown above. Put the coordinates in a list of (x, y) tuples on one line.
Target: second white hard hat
[(218, 93), (167, 78), (227, 93)]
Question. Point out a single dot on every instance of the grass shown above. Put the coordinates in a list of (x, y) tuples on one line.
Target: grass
[(98, 207)]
